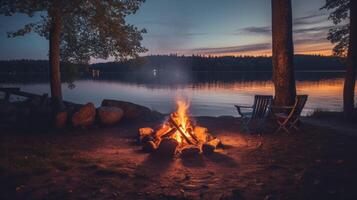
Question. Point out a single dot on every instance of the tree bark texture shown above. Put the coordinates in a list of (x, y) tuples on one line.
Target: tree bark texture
[(54, 56), (283, 53)]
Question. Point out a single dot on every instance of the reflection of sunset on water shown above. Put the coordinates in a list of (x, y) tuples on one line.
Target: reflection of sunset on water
[(323, 94), (211, 98)]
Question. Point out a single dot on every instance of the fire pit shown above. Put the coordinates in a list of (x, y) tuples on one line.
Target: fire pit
[(178, 135)]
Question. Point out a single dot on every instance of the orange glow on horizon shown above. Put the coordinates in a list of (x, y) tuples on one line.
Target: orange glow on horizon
[(323, 49)]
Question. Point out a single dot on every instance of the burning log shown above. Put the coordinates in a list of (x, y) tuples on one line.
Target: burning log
[(170, 133), (191, 151), (189, 131), (163, 131), (172, 121), (201, 133), (145, 134), (149, 146), (167, 147), (209, 137), (210, 146), (147, 139), (178, 135)]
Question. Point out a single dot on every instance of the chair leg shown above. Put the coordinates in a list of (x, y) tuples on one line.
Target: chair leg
[(279, 128), (282, 126), (261, 125), (245, 125), (294, 124), (286, 129)]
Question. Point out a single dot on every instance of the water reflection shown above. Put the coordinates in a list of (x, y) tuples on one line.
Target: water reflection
[(211, 94)]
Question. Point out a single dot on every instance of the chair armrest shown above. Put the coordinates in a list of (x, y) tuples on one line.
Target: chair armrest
[(240, 111), (243, 106)]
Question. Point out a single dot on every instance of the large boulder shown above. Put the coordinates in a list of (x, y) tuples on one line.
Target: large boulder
[(131, 110), (110, 115), (85, 116)]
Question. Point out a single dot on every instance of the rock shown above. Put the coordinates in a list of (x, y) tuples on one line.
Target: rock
[(167, 147), (149, 146), (146, 139), (110, 115), (61, 119), (85, 116), (210, 146), (145, 132), (131, 110), (191, 151)]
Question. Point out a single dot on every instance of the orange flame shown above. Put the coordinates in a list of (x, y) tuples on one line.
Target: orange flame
[(182, 108), (182, 120), (185, 132)]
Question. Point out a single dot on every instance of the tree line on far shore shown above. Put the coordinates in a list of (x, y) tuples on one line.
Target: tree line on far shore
[(13, 67), (168, 62), (228, 63)]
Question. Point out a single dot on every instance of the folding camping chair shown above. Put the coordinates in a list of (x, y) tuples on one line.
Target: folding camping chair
[(259, 112), (291, 117)]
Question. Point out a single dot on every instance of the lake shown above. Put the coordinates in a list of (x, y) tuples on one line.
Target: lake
[(209, 93)]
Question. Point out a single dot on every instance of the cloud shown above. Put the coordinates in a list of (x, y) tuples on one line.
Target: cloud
[(262, 30), (301, 46), (302, 35), (312, 19), (266, 31), (233, 49), (305, 40), (181, 34), (306, 24), (320, 29), (310, 33)]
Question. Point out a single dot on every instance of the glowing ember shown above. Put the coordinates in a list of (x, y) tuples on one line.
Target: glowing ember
[(179, 127)]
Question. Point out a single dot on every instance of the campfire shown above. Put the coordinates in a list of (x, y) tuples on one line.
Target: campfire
[(178, 135)]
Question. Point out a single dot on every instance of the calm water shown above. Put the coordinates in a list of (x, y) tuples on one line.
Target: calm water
[(210, 94)]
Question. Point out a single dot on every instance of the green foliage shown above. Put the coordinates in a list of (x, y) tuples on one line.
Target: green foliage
[(339, 35), (89, 28)]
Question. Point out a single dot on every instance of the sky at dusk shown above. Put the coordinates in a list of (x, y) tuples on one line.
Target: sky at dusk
[(206, 27)]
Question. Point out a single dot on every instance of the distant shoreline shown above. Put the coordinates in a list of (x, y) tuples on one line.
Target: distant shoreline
[(242, 71), (172, 63)]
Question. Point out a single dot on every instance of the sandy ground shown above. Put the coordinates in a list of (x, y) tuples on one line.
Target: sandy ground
[(106, 163)]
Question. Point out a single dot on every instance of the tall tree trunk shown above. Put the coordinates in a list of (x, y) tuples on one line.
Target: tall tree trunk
[(283, 53), (54, 57), (350, 77)]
